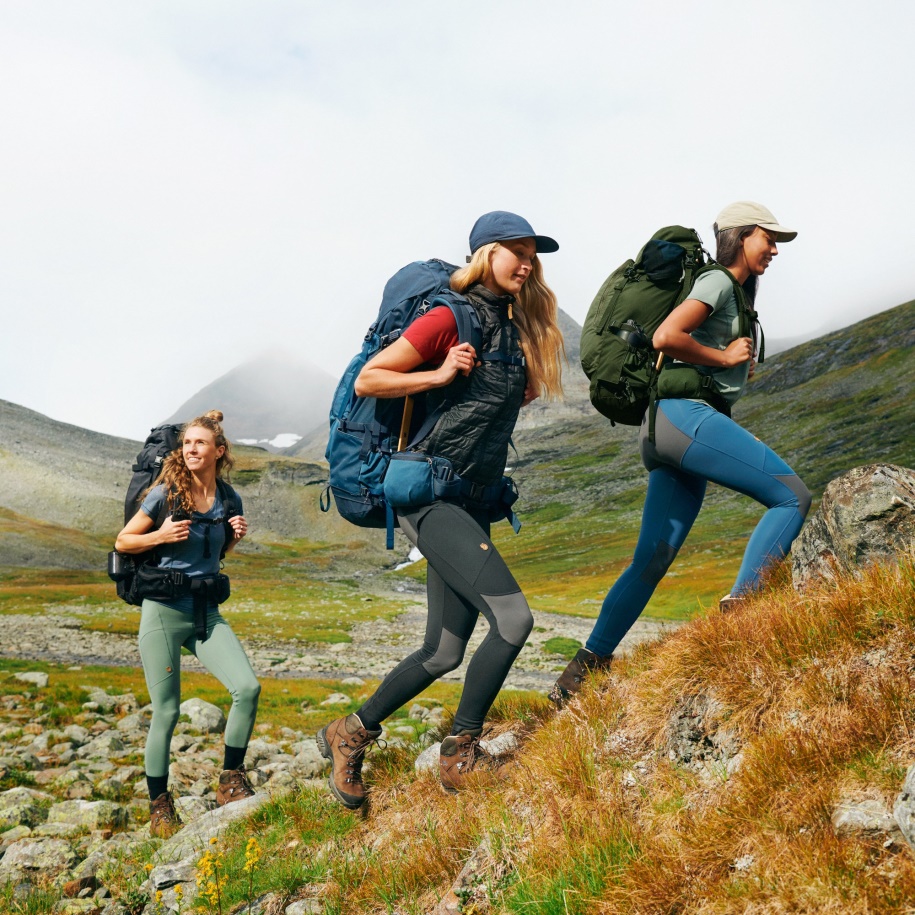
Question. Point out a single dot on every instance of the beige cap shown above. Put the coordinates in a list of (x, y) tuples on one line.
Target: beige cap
[(748, 213)]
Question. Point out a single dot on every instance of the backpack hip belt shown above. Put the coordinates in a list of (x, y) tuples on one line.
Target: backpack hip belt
[(441, 482), (172, 584), (685, 381)]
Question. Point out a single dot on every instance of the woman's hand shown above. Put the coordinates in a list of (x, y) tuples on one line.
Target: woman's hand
[(239, 525), (174, 531), (392, 372), (530, 394), (738, 352), (138, 535), (673, 339), (460, 360)]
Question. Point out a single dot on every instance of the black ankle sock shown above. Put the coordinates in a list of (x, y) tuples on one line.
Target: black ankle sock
[(157, 784), (235, 757)]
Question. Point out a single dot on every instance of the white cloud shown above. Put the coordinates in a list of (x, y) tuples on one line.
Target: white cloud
[(186, 184)]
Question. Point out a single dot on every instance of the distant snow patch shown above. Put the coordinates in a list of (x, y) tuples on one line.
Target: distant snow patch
[(283, 440), (413, 556)]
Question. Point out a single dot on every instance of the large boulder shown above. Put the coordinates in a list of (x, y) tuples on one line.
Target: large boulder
[(37, 857), (866, 515)]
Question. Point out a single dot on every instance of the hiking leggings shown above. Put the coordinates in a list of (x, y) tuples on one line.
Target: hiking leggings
[(693, 444), (163, 631), (466, 577)]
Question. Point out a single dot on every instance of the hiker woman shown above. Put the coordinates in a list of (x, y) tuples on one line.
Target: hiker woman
[(180, 606), (478, 396), (696, 441)]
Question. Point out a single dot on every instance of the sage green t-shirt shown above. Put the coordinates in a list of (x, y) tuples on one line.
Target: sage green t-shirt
[(719, 329)]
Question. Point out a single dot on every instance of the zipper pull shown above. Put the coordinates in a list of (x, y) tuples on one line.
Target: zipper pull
[(509, 311)]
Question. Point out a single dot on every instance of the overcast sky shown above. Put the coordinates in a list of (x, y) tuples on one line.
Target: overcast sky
[(185, 184)]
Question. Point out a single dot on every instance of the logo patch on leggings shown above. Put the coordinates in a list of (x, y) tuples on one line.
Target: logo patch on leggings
[(484, 546), (168, 670)]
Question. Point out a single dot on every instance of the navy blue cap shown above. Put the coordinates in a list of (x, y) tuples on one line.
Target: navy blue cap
[(500, 225)]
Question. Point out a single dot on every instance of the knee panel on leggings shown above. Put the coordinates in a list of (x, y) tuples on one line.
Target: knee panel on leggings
[(801, 492), (448, 655), (659, 563), (514, 619)]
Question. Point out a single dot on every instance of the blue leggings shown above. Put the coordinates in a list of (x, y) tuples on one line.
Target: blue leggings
[(694, 444)]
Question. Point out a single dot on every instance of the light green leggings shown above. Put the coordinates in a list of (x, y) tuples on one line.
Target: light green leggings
[(162, 633)]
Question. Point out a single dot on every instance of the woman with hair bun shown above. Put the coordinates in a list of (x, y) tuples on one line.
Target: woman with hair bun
[(476, 397), (201, 520)]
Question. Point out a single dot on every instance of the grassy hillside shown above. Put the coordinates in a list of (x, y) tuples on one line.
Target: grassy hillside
[(703, 774)]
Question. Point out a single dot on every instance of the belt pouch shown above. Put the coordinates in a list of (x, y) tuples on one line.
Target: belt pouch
[(409, 480), (155, 584), (222, 588)]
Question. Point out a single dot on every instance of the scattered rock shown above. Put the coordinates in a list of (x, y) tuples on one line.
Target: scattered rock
[(308, 762), (89, 814), (305, 907), (205, 717), (866, 515), (74, 887), (904, 808), (37, 857), (867, 816), (337, 699), (36, 677)]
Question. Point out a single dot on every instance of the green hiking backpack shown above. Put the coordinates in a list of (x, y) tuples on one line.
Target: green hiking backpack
[(616, 351)]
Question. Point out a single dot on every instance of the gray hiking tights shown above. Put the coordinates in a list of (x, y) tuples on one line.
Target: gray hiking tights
[(163, 631), (466, 577)]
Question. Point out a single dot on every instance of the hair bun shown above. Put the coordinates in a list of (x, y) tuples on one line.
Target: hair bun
[(215, 415)]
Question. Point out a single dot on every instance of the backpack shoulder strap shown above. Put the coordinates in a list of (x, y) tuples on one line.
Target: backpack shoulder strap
[(749, 325), (469, 329), (231, 504)]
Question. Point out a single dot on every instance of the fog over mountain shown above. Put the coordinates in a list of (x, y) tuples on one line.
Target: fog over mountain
[(273, 400)]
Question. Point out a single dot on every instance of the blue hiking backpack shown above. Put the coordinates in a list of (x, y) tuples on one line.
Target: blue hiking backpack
[(364, 430)]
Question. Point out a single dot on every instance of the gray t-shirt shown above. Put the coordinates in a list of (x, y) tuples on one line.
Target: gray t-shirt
[(719, 329), (188, 555)]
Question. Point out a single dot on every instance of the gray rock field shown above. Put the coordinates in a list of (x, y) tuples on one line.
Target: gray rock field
[(376, 647)]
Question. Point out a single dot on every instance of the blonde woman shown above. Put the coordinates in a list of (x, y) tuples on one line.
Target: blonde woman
[(478, 396), (191, 517)]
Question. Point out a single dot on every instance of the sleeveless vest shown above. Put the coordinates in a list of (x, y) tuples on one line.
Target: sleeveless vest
[(480, 410)]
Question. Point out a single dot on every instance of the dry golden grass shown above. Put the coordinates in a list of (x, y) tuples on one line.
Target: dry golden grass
[(699, 775)]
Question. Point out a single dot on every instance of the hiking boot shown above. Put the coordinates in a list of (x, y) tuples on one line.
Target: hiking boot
[(164, 821), (344, 743), (460, 756), (570, 681), (233, 786)]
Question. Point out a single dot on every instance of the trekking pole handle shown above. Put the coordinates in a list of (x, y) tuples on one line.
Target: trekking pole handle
[(405, 423), (657, 366)]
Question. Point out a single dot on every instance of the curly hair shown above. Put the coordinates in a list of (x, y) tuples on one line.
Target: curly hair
[(535, 316), (175, 476)]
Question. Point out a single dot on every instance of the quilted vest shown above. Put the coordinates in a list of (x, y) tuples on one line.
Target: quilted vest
[(480, 410)]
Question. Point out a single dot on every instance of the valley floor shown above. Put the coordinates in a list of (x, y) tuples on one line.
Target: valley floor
[(376, 646)]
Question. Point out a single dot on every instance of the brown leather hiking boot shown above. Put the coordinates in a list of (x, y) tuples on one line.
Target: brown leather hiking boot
[(344, 743), (164, 821), (233, 786), (459, 757), (570, 681)]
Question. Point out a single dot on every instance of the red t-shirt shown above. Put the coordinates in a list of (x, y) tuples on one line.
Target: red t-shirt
[(433, 334)]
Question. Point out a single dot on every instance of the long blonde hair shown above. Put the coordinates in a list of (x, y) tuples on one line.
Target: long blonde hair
[(535, 315), (175, 476)]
